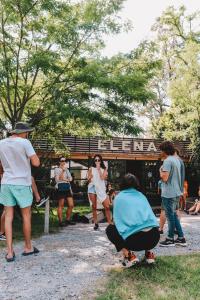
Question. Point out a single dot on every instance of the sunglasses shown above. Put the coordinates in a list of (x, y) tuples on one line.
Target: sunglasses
[(97, 160), (62, 160)]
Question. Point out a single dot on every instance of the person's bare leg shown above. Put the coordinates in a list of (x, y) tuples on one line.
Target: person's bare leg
[(192, 208), (9, 214), (60, 209), (93, 199), (2, 229), (181, 203), (162, 219), (70, 203), (26, 216), (106, 204), (197, 208)]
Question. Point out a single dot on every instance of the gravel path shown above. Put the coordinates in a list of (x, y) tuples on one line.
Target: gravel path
[(191, 229), (71, 262)]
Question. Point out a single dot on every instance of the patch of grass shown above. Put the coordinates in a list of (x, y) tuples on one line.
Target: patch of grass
[(38, 222), (172, 278), (82, 209)]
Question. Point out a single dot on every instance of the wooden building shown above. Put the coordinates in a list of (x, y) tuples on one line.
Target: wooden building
[(122, 155)]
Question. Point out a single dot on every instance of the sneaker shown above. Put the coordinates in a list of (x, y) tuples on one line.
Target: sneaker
[(2, 237), (68, 222), (42, 201), (96, 226), (180, 242), (149, 257), (167, 243), (194, 214), (130, 261)]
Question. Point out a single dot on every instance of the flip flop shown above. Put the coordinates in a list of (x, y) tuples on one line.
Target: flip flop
[(42, 201), (11, 258), (35, 251)]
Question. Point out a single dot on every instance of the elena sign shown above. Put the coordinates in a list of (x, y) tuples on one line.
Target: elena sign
[(85, 146), (126, 146)]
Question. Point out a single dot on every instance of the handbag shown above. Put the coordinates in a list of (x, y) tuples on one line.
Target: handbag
[(64, 187)]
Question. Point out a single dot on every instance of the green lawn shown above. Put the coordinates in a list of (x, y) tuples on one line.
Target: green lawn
[(38, 222), (82, 209), (171, 278)]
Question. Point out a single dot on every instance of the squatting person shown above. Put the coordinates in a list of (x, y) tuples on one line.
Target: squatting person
[(136, 227)]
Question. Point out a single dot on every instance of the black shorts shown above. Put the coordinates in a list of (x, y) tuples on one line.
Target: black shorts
[(65, 195)]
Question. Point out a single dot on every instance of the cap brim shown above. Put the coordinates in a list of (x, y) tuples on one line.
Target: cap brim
[(21, 130)]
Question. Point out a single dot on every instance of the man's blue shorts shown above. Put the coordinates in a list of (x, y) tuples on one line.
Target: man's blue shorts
[(12, 195)]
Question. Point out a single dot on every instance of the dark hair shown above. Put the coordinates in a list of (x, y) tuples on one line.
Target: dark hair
[(107, 185), (167, 147), (101, 159), (129, 181)]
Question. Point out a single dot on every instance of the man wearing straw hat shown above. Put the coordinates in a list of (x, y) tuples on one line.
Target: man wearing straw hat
[(16, 153)]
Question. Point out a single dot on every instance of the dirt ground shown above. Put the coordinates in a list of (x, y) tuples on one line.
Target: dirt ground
[(73, 263)]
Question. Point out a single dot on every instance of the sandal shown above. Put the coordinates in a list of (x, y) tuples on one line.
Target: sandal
[(10, 259), (35, 251)]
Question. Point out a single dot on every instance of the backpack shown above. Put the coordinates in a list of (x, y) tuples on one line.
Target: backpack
[(80, 218)]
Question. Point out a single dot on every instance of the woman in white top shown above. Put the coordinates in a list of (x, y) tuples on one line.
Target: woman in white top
[(63, 178), (97, 188)]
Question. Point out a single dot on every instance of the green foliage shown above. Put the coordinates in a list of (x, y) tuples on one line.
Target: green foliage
[(52, 74), (178, 37), (182, 120), (158, 103)]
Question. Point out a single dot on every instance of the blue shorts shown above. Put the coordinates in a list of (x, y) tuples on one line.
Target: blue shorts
[(91, 190), (12, 195)]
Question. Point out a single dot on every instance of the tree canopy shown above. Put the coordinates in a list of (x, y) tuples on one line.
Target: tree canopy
[(52, 73), (177, 47)]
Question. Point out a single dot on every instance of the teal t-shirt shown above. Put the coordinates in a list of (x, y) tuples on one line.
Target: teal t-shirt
[(173, 187), (132, 213)]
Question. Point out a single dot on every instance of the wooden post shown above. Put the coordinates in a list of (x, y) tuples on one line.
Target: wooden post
[(46, 218)]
